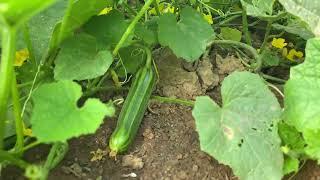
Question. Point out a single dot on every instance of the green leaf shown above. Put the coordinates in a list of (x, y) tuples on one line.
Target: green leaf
[(259, 8), (108, 29), (81, 11), (80, 59), (147, 35), (188, 37), (56, 117), (297, 27), (291, 137), (14, 12), (302, 103), (132, 58), (231, 34), (42, 26), (270, 58), (307, 10), (243, 132), (290, 165)]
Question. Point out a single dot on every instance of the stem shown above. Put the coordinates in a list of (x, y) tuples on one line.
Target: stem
[(282, 81), (115, 78), (27, 39), (266, 35), (22, 85), (107, 88), (64, 22), (245, 27), (17, 114), (131, 27), (6, 156), (6, 72), (173, 100), (227, 20)]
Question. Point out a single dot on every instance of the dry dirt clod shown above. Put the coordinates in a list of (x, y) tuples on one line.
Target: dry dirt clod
[(148, 134), (228, 64), (132, 162), (208, 78)]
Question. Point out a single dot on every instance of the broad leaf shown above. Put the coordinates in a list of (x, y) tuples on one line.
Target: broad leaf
[(243, 132), (302, 103), (80, 59), (41, 28), (143, 32), (290, 165), (108, 29), (13, 12), (307, 10), (259, 8), (231, 34), (188, 37), (296, 26), (80, 12), (132, 58), (56, 117)]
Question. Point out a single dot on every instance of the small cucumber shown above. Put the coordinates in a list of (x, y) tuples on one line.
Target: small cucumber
[(133, 109)]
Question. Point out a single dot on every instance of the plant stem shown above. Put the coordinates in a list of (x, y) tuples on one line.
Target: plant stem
[(6, 72), (266, 36), (173, 100), (6, 156), (227, 20), (64, 22), (282, 81), (115, 78), (27, 39), (107, 88), (245, 27), (131, 27), (17, 114)]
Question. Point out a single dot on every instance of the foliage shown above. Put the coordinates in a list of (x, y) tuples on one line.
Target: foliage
[(244, 128), (57, 53)]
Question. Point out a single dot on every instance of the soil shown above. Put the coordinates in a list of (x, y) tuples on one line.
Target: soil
[(166, 146)]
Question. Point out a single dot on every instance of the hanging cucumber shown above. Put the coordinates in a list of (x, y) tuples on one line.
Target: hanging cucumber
[(134, 107)]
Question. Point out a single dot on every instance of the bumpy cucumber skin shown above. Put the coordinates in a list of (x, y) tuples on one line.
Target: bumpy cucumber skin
[(133, 110)]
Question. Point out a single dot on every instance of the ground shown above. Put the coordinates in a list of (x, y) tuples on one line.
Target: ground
[(166, 146)]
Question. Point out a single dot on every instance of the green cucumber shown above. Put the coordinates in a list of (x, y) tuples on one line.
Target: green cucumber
[(133, 109)]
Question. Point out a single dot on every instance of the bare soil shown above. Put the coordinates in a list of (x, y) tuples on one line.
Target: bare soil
[(166, 146)]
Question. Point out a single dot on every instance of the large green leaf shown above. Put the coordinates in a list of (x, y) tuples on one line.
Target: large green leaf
[(296, 26), (188, 37), (56, 117), (80, 12), (302, 102), (41, 28), (13, 12), (307, 10), (243, 132), (108, 29), (80, 59), (259, 8)]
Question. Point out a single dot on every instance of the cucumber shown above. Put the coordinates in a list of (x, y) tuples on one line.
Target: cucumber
[(133, 109)]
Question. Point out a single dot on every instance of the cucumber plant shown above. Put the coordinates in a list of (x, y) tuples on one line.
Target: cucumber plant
[(53, 50)]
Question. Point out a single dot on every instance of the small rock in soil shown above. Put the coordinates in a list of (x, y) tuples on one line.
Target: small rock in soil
[(148, 133), (74, 169), (132, 162), (208, 79)]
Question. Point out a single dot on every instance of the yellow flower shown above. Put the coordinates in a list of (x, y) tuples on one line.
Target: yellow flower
[(21, 56), (153, 10), (208, 18), (169, 9), (278, 43), (293, 54), (105, 11)]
